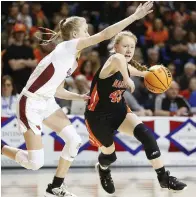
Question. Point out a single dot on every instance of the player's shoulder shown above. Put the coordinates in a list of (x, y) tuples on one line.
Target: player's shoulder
[(116, 58), (72, 42)]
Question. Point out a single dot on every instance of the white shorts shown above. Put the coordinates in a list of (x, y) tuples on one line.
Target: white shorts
[(32, 111)]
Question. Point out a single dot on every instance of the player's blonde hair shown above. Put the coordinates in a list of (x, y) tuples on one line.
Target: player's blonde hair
[(117, 40), (66, 29)]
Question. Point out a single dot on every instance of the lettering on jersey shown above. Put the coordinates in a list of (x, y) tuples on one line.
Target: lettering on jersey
[(68, 73), (119, 84)]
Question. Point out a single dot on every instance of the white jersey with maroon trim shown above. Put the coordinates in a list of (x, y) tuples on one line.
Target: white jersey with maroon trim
[(53, 69)]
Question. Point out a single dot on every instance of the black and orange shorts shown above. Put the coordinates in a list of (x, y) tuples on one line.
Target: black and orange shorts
[(102, 126)]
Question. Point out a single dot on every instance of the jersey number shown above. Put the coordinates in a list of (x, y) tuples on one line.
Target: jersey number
[(116, 96)]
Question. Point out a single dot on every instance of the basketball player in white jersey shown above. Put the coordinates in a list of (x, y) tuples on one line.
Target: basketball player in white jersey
[(37, 104)]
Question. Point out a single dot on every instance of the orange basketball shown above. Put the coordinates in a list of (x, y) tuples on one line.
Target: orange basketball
[(158, 79)]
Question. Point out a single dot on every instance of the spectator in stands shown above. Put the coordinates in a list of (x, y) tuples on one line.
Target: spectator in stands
[(84, 79), (171, 104), (24, 16), (165, 12), (135, 106), (38, 17), (94, 57), (148, 23), (139, 29), (178, 48), (189, 71), (19, 59), (142, 95), (172, 69), (191, 24), (159, 33), (191, 88), (192, 46), (6, 34), (153, 56), (55, 21), (112, 12), (64, 11), (181, 13), (14, 11), (177, 22), (8, 97)]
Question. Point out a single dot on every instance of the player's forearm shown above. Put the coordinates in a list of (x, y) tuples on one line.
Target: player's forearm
[(64, 94), (112, 30), (134, 72)]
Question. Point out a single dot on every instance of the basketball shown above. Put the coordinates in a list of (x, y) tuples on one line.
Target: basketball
[(158, 79)]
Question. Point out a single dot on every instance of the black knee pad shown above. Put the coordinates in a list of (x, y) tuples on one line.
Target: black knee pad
[(148, 141), (106, 160)]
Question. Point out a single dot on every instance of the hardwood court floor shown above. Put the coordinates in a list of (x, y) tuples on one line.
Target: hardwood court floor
[(129, 182)]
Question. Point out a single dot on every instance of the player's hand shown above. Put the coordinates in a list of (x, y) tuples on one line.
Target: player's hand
[(85, 97), (143, 10)]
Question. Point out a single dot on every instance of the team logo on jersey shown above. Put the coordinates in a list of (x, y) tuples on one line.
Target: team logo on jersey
[(68, 73)]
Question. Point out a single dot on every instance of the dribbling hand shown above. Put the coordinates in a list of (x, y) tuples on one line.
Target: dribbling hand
[(143, 10), (85, 97)]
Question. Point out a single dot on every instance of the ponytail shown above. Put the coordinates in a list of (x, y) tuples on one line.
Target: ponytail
[(138, 66), (53, 35)]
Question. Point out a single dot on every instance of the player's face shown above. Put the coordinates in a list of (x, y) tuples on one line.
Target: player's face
[(83, 31), (126, 47)]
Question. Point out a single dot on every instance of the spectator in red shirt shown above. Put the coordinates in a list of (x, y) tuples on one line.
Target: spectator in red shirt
[(159, 34), (192, 87)]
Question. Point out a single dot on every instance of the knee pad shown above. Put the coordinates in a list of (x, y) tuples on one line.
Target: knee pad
[(147, 139), (106, 160), (36, 159), (33, 159), (73, 142)]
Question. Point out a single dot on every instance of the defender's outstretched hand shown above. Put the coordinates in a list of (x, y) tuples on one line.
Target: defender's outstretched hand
[(143, 10)]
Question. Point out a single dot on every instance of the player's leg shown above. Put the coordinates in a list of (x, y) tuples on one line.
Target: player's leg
[(60, 123), (132, 125), (101, 135), (33, 157)]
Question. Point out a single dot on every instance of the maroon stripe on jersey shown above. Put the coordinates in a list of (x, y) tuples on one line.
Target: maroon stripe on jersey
[(22, 111), (45, 76)]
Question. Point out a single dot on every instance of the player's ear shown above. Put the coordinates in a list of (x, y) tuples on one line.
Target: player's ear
[(115, 47), (74, 34)]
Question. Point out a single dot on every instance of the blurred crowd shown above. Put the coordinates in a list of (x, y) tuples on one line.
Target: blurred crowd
[(166, 36)]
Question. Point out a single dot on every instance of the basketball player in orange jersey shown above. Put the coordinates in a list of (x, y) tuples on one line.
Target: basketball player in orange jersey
[(37, 104), (107, 112)]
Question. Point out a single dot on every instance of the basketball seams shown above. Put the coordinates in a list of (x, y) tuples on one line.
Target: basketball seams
[(153, 85), (165, 76), (159, 79)]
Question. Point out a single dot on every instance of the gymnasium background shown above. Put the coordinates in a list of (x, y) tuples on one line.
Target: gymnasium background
[(166, 36)]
